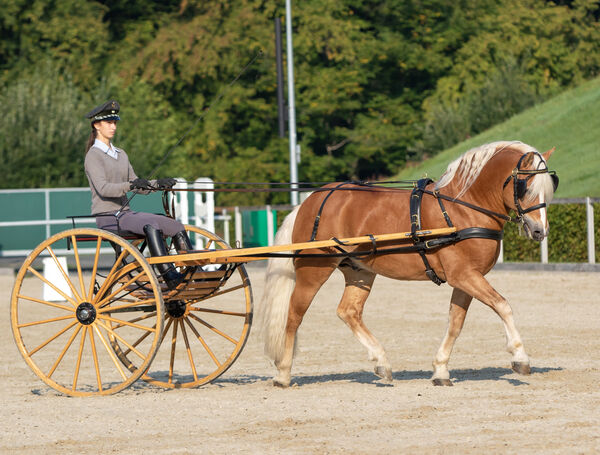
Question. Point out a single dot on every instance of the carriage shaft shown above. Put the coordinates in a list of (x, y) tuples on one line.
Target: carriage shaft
[(250, 254)]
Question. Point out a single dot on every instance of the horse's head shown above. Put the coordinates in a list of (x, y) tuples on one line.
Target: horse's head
[(528, 190)]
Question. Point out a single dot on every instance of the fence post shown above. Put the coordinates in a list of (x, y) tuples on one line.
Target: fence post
[(225, 226), (544, 249), (238, 227), (47, 207), (590, 231), (270, 234)]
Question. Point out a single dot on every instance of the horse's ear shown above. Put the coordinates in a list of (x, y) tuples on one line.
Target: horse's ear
[(528, 160), (547, 154)]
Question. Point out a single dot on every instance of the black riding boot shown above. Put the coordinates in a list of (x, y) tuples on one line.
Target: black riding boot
[(157, 247), (182, 242)]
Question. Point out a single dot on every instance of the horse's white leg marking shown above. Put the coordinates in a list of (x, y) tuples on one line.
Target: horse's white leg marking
[(477, 286), (459, 305), (350, 309)]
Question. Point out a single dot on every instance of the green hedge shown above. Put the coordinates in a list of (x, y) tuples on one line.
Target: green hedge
[(567, 241)]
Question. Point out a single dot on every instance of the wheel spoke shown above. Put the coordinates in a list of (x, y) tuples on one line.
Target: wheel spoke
[(64, 274), (221, 292), (79, 273), (173, 346), (121, 322), (109, 278), (129, 305), (227, 313), (65, 296), (95, 355), (103, 302), (110, 352), (94, 270), (214, 329), (81, 344), (166, 329), (189, 351), (44, 302), (116, 335), (54, 337), (45, 321), (64, 351), (138, 341), (210, 353), (141, 318)]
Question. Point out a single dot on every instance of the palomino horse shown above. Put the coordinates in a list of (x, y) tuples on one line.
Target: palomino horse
[(479, 189)]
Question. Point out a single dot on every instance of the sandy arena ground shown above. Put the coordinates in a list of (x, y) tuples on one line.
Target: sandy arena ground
[(336, 404)]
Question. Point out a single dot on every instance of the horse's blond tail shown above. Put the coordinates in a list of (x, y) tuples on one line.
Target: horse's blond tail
[(279, 284)]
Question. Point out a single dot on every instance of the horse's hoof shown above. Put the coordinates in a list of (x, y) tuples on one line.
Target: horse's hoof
[(521, 368), (443, 382), (384, 373), (281, 383)]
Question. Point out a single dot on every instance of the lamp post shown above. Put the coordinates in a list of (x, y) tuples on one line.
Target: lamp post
[(294, 153)]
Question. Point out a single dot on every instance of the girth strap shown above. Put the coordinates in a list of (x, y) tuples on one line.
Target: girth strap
[(416, 197)]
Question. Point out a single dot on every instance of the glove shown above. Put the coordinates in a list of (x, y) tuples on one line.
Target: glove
[(165, 184), (140, 184)]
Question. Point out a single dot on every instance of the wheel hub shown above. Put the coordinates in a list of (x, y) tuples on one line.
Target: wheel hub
[(86, 313), (176, 308)]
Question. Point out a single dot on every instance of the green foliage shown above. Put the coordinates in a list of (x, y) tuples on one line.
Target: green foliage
[(377, 83), (567, 241), (42, 137), (524, 51), (504, 94)]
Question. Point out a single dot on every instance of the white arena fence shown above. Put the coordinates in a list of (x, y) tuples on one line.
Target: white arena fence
[(28, 216)]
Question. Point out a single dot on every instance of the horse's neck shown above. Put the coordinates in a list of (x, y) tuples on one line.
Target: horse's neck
[(487, 190)]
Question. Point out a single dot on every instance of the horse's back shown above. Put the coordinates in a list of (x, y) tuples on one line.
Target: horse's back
[(352, 210)]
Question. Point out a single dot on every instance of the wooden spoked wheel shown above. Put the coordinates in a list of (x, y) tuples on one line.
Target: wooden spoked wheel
[(206, 324), (64, 318)]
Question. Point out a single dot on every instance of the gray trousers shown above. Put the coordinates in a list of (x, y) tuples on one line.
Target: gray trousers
[(135, 222)]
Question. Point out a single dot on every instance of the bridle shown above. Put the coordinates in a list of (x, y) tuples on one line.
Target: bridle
[(520, 185)]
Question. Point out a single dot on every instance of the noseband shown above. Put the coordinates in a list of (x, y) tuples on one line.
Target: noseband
[(520, 185)]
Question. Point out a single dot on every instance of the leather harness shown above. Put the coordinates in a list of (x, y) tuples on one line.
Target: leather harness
[(419, 245)]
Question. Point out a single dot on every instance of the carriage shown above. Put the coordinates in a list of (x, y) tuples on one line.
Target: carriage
[(120, 322), (117, 321)]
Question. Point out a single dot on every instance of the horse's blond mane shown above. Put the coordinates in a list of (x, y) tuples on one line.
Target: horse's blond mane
[(468, 166)]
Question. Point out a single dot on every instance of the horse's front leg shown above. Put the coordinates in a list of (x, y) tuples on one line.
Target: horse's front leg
[(476, 285), (459, 305)]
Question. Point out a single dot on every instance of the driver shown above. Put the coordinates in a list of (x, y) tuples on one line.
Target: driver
[(111, 176)]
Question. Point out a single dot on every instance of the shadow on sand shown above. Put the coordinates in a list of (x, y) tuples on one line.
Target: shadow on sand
[(360, 377)]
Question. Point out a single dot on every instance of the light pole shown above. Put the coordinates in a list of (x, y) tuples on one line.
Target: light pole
[(294, 155)]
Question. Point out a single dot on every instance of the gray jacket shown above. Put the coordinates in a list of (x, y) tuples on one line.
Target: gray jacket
[(109, 180)]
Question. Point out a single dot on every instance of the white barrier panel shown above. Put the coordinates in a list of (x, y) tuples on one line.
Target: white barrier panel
[(204, 206), (53, 274), (181, 201)]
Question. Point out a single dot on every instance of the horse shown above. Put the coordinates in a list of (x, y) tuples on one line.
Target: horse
[(477, 196)]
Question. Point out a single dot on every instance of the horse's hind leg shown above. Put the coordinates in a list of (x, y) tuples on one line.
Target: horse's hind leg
[(350, 310), (459, 304), (308, 282)]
